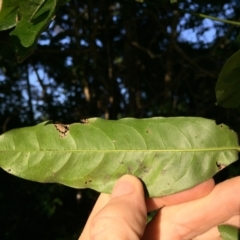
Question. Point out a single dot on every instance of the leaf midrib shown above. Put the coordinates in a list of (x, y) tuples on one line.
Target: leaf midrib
[(130, 150)]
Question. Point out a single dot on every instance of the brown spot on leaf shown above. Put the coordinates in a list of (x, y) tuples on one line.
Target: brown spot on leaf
[(88, 181), (129, 168), (163, 172), (146, 170)]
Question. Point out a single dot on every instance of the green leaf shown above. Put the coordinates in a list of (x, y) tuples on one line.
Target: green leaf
[(31, 24), (8, 13), (238, 40), (228, 232), (168, 154), (31, 18), (29, 8), (228, 85)]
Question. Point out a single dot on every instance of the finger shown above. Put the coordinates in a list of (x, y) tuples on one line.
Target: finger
[(154, 203), (188, 220), (103, 199), (124, 216), (196, 192)]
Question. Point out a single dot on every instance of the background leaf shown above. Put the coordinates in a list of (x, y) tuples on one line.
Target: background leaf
[(168, 154), (238, 40), (30, 25), (31, 18), (228, 85), (9, 13), (228, 232)]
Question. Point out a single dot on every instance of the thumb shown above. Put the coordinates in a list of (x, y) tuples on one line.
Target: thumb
[(124, 216)]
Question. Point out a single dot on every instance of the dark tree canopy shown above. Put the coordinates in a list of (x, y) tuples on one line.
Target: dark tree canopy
[(109, 59)]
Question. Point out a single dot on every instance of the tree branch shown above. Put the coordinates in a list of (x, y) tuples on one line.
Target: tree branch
[(149, 52)]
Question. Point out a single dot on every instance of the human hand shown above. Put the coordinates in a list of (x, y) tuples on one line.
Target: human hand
[(119, 216), (199, 219)]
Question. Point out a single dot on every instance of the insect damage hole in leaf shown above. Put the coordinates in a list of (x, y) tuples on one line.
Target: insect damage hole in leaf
[(220, 166), (63, 129), (84, 121)]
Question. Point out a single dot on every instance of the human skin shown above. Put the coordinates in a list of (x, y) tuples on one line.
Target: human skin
[(183, 216)]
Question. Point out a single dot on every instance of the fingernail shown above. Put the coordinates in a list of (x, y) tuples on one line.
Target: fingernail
[(122, 188)]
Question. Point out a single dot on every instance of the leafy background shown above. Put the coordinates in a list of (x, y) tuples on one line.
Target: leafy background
[(109, 59)]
